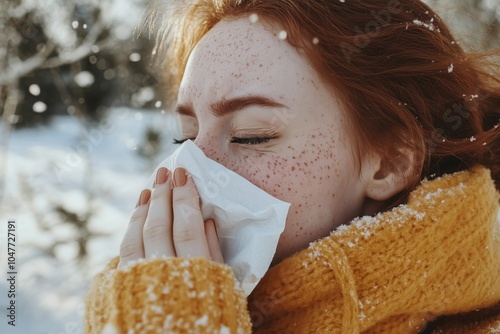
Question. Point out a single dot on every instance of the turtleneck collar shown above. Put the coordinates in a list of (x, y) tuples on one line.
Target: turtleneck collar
[(392, 273)]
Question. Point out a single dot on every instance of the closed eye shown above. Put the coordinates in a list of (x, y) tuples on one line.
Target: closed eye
[(249, 141)]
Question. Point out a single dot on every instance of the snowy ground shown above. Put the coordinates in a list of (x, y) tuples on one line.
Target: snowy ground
[(50, 291)]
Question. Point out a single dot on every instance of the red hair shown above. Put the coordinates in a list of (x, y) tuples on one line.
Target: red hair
[(404, 81)]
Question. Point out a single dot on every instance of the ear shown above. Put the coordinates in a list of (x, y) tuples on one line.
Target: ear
[(386, 176)]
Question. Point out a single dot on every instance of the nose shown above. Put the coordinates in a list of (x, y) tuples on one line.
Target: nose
[(210, 148)]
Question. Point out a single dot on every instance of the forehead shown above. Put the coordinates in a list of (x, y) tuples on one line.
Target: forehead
[(238, 55)]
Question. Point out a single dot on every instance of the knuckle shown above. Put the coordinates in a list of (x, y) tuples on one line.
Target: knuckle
[(186, 235), (184, 211), (138, 216), (185, 195), (129, 249), (155, 229), (158, 193)]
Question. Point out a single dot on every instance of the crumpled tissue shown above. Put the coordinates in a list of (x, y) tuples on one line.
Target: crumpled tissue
[(248, 220)]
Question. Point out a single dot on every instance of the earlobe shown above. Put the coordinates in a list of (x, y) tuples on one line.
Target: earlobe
[(387, 176)]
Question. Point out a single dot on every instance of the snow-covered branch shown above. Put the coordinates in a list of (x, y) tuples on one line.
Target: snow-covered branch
[(86, 48), (17, 68)]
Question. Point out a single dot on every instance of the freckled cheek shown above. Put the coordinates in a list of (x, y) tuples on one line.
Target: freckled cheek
[(276, 178)]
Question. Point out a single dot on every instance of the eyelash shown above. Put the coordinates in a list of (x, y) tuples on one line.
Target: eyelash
[(180, 141), (235, 140), (249, 141)]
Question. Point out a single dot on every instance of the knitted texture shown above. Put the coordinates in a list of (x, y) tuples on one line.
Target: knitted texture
[(438, 255), (172, 295)]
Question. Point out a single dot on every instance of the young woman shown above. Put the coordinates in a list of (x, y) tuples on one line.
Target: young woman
[(344, 109)]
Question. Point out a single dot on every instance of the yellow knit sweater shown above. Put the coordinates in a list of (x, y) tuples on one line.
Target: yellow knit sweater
[(438, 256)]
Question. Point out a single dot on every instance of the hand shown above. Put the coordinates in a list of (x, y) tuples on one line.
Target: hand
[(167, 221)]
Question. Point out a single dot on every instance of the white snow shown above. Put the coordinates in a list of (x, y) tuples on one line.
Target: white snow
[(84, 79), (39, 107), (429, 25), (224, 330), (134, 57), (34, 89), (203, 321), (110, 329), (253, 18), (50, 296)]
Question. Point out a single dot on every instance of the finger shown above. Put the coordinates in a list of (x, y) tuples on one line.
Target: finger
[(157, 233), (213, 241), (189, 231), (131, 247)]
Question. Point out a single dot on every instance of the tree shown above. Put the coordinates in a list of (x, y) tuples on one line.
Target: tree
[(74, 58), (476, 22)]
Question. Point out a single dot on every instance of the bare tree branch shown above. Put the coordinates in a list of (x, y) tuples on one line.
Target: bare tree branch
[(23, 68), (80, 52)]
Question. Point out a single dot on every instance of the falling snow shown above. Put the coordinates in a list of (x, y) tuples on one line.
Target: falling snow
[(134, 57), (253, 18), (34, 89), (84, 79), (39, 107), (282, 35)]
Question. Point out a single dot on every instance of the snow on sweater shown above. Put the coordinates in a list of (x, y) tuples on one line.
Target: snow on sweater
[(438, 256)]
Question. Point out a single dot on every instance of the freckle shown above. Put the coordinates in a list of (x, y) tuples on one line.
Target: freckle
[(267, 176), (289, 189), (293, 168)]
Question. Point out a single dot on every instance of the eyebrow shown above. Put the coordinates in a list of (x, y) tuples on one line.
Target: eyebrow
[(224, 106)]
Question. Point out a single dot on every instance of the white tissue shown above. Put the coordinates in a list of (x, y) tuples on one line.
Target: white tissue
[(249, 221)]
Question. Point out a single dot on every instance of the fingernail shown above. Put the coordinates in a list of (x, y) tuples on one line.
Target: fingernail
[(144, 198), (180, 177), (161, 176)]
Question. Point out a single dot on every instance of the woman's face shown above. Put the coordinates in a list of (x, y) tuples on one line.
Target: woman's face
[(251, 102)]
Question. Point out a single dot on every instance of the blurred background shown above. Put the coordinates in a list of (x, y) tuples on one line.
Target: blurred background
[(82, 128)]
